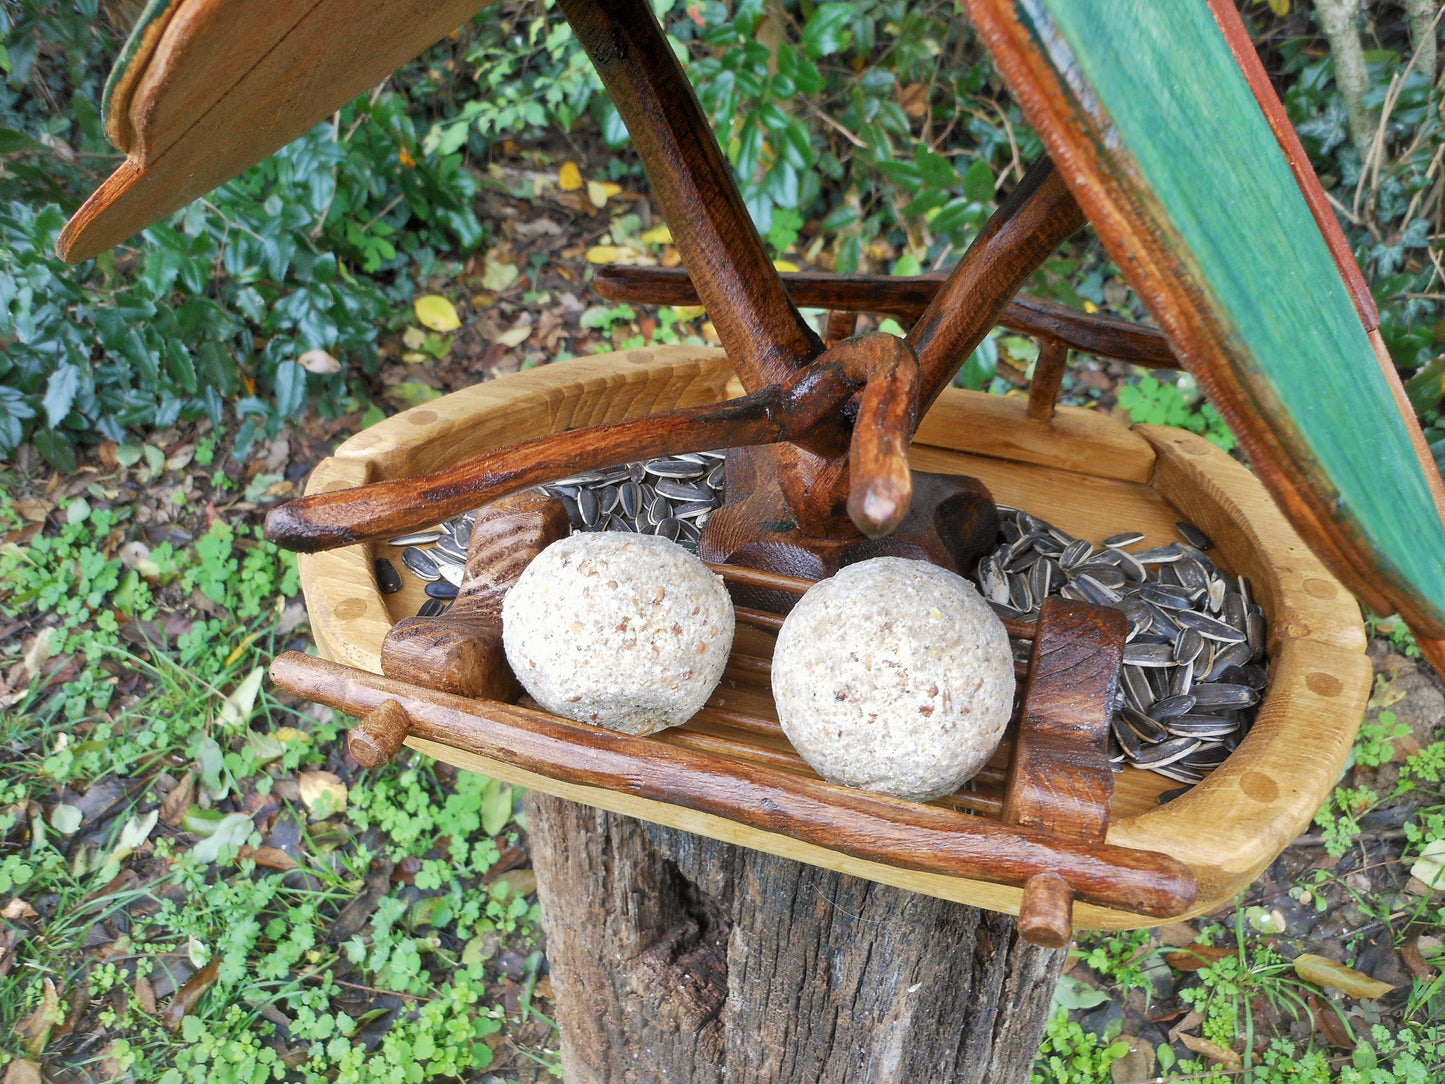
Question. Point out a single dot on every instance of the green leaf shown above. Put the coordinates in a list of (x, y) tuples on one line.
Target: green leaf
[(978, 182), (290, 388), (1325, 972), (827, 30), (60, 392), (232, 831), (496, 807), (1072, 993), (12, 141)]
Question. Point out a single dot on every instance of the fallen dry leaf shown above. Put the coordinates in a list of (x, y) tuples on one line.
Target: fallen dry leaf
[(323, 793), (33, 508), (18, 910), (1330, 1025), (38, 651), (437, 313), (1196, 957), (187, 996), (569, 177), (1324, 972), (270, 857), (145, 995), (34, 1030), (1415, 959), (23, 1071), (319, 361), (180, 799), (1212, 1050), (515, 336)]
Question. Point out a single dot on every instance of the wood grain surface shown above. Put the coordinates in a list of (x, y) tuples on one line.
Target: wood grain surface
[(227, 82), (1232, 266), (1251, 806)]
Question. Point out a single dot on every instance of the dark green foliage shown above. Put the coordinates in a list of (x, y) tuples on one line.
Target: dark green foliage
[(212, 309)]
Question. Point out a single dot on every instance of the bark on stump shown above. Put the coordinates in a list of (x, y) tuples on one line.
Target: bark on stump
[(681, 959)]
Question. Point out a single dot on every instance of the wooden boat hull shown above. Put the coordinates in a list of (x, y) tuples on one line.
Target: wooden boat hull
[(1087, 473)]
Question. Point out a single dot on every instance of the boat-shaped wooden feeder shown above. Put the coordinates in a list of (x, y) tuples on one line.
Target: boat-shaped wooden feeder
[(1162, 131)]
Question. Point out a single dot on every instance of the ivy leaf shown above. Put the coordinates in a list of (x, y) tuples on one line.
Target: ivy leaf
[(290, 388), (60, 392), (978, 182)]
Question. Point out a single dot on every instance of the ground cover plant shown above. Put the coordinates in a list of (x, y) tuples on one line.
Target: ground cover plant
[(195, 881)]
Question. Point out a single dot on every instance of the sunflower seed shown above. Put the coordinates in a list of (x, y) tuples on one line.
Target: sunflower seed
[(1138, 654), (674, 467), (677, 490), (432, 607), (1124, 538), (1208, 627), (417, 538), (419, 564), (1166, 752), (1171, 707), (441, 589), (1194, 536), (387, 577), (1222, 695)]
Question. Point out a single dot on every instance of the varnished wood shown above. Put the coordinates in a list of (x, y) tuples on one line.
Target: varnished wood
[(1291, 378), (759, 326), (1036, 217), (217, 85), (951, 522), (880, 366), (906, 297), (1060, 780), (461, 651), (907, 834), (379, 735), (1048, 379), (1046, 914), (1228, 828)]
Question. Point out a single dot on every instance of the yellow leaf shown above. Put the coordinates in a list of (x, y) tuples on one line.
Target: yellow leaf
[(415, 357), (1325, 972), (1279, 7), (240, 649), (498, 276), (569, 177), (658, 235), (608, 254), (290, 734), (785, 265), (413, 337), (597, 193), (323, 792), (237, 707), (515, 336), (437, 313)]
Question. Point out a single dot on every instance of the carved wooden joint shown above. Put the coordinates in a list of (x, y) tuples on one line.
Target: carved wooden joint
[(1060, 781)]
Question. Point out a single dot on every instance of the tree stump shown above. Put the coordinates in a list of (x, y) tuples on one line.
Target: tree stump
[(682, 959)]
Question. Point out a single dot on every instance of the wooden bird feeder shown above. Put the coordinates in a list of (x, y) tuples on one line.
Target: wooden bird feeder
[(1186, 166)]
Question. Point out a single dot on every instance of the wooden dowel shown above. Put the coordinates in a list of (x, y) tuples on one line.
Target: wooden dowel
[(760, 619), (765, 336), (1048, 379), (906, 298), (1046, 916), (841, 325), (377, 737), (761, 577), (872, 827)]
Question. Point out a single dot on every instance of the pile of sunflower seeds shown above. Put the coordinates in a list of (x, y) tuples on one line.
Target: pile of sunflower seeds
[(1194, 668), (672, 496)]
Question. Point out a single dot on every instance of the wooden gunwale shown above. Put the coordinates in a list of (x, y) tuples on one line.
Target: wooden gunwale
[(1227, 829)]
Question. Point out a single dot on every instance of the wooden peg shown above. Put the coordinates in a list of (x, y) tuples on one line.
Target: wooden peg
[(841, 325), (1048, 378), (1046, 915), (377, 737)]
